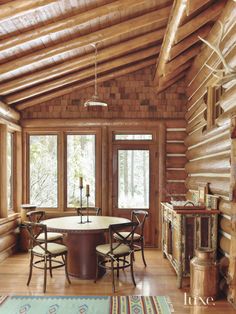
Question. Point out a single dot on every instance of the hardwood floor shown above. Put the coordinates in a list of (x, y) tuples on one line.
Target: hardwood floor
[(157, 279)]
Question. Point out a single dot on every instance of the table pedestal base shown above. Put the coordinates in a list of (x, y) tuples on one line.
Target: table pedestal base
[(82, 254)]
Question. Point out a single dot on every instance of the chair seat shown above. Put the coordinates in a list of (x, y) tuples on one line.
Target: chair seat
[(51, 236), (120, 250), (53, 248), (124, 234)]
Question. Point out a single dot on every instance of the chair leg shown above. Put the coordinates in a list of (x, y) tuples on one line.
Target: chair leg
[(45, 274), (132, 269), (142, 251), (113, 276), (31, 268), (118, 265), (50, 266), (66, 269), (96, 276)]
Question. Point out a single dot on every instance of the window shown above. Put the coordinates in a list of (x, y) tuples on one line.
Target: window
[(43, 187), (135, 137), (133, 179), (10, 172), (80, 163), (214, 109)]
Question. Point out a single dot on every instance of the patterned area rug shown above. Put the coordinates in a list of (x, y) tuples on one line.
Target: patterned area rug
[(85, 305)]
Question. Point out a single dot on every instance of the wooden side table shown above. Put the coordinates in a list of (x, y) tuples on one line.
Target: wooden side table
[(183, 231)]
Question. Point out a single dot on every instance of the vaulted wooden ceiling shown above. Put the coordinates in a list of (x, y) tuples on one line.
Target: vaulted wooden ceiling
[(46, 52)]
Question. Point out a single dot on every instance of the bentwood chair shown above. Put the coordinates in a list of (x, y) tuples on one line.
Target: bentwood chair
[(47, 253), (38, 216), (113, 255), (96, 211), (138, 216)]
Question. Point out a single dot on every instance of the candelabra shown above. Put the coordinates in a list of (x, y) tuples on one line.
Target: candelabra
[(87, 196)]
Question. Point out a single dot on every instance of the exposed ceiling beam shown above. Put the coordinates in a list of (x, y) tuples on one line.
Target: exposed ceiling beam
[(19, 7), (210, 14), (189, 41), (182, 58), (67, 90), (167, 84), (175, 72), (7, 112), (78, 20), (178, 10), (156, 18), (194, 5), (81, 62), (81, 75)]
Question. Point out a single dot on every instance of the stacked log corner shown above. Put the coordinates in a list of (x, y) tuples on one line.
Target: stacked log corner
[(211, 152)]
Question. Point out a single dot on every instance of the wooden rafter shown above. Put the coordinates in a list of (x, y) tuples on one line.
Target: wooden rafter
[(7, 112), (73, 22), (175, 16), (194, 5), (78, 76), (67, 90), (156, 18), (19, 7), (81, 62)]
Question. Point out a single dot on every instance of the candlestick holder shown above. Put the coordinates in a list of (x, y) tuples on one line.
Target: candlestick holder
[(81, 206), (87, 196)]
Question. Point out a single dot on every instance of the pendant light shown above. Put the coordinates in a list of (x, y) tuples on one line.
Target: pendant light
[(94, 100)]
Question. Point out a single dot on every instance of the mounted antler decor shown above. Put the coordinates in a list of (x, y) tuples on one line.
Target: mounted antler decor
[(227, 74)]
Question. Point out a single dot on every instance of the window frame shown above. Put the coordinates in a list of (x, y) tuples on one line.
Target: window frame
[(62, 132), (13, 171)]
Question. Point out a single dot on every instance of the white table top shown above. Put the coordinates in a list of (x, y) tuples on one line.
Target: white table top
[(72, 223)]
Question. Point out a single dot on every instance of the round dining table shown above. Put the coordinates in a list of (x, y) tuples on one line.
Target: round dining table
[(81, 240)]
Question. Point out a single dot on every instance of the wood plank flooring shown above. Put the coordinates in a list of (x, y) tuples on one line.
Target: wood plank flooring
[(158, 278)]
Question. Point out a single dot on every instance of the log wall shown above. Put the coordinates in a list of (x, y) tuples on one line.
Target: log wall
[(9, 235), (209, 151)]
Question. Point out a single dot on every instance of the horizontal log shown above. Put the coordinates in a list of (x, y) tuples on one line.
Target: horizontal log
[(224, 265), (225, 207), (175, 162), (173, 148), (9, 226), (224, 243), (225, 225), (175, 123), (8, 252), (8, 241), (220, 185), (176, 175), (176, 135), (200, 136), (165, 84), (175, 188), (196, 123), (153, 18), (228, 99), (215, 164), (225, 118), (220, 144), (195, 110)]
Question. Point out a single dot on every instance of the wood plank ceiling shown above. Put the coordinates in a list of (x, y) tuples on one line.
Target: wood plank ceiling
[(46, 52)]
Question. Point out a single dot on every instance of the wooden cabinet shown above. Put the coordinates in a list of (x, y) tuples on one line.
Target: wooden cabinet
[(183, 230)]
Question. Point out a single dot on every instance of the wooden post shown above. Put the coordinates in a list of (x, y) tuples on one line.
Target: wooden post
[(3, 171), (17, 184)]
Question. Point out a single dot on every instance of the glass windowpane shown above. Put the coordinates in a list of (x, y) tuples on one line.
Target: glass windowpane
[(133, 179), (9, 171), (43, 170), (80, 163)]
